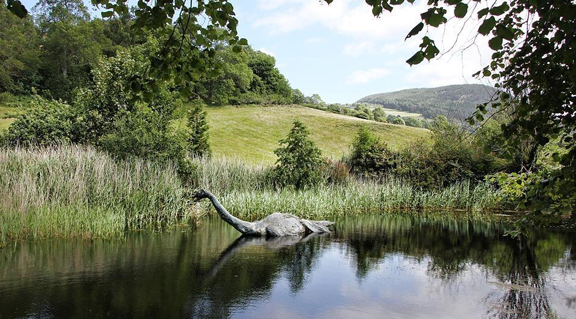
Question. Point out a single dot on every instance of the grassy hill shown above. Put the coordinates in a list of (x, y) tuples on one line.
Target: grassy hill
[(454, 101), (252, 133)]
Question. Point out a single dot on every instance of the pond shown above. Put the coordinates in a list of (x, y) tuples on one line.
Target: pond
[(392, 266)]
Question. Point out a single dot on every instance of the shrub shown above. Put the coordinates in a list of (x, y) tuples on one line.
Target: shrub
[(299, 160), (198, 136), (45, 123), (370, 157)]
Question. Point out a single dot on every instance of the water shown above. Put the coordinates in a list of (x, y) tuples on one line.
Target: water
[(370, 267)]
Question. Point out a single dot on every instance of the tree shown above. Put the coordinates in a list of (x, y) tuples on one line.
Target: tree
[(533, 61), (19, 54), (379, 114), (198, 126), (298, 97), (299, 160), (370, 156)]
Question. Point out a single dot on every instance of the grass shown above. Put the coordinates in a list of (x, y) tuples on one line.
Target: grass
[(247, 193), (7, 116), (252, 133), (74, 191), (10, 106), (395, 112)]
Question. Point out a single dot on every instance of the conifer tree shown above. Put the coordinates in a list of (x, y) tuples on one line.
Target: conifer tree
[(198, 139), (299, 159)]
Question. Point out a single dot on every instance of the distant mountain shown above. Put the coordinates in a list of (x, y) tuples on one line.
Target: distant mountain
[(454, 101)]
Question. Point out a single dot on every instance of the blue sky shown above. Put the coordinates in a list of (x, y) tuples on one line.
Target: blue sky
[(341, 52)]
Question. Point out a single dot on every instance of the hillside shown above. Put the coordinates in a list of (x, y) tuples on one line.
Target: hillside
[(454, 101), (252, 133)]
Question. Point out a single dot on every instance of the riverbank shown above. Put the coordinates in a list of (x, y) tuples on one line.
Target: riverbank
[(76, 191)]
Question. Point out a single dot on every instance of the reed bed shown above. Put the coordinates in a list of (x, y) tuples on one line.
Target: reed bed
[(249, 193), (75, 191)]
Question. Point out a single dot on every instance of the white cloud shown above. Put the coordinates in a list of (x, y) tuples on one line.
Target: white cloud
[(358, 48), (315, 40), (347, 17), (365, 76), (269, 52)]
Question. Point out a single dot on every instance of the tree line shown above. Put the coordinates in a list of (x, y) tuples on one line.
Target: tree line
[(54, 53)]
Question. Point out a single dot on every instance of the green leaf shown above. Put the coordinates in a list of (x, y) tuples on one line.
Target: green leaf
[(487, 26), (415, 30), (107, 14), (499, 10), (236, 49), (416, 58), (461, 10), (495, 43), (17, 8), (243, 42), (504, 32), (436, 19), (483, 12)]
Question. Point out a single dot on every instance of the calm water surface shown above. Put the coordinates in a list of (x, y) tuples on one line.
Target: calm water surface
[(370, 267)]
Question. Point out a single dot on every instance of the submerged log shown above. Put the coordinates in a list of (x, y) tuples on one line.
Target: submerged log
[(274, 225)]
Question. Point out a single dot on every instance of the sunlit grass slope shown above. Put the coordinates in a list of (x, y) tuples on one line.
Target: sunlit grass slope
[(252, 133), (6, 116)]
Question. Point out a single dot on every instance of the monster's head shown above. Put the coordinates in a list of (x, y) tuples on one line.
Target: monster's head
[(200, 194)]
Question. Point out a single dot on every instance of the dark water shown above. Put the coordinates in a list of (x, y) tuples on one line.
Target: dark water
[(371, 267)]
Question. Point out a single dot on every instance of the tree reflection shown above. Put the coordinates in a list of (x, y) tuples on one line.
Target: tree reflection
[(454, 245), (210, 272)]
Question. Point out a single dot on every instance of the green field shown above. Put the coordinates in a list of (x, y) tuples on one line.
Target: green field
[(395, 112), (252, 133), (5, 120)]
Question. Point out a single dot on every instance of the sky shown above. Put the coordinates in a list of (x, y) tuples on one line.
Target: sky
[(343, 53)]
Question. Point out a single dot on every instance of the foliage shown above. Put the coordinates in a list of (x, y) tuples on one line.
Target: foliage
[(453, 156), (370, 156), (398, 121), (299, 160), (363, 112), (298, 97), (532, 63), (45, 123), (19, 61), (267, 79), (379, 114), (198, 136), (142, 133)]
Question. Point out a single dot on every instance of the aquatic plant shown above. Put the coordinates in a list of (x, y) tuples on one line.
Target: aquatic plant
[(76, 191)]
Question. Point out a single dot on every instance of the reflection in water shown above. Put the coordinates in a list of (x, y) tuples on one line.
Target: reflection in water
[(395, 265)]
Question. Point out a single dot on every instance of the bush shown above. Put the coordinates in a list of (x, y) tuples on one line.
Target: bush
[(370, 156), (453, 156), (45, 123), (299, 161), (143, 134)]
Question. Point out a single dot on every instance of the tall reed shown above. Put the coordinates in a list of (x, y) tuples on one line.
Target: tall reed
[(249, 193), (76, 191)]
